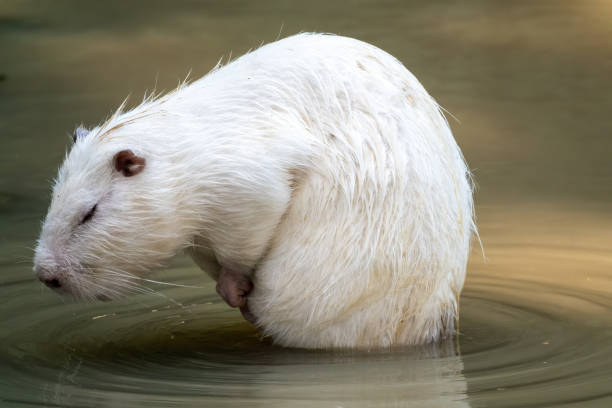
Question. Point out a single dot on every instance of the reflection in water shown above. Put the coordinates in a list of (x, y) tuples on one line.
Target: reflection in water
[(260, 376), (529, 82), (203, 353)]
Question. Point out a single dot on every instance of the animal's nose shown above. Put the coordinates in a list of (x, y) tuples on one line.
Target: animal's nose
[(53, 283), (48, 277)]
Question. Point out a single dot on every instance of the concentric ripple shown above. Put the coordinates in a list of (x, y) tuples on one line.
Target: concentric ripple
[(536, 330)]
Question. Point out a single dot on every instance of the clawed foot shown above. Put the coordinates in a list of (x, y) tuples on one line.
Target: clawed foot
[(234, 288), (246, 313)]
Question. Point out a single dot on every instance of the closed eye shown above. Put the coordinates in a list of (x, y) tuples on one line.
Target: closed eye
[(89, 214)]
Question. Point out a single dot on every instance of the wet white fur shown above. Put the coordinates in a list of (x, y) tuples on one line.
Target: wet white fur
[(318, 164)]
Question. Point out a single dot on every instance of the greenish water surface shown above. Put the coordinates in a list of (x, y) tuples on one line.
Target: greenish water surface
[(530, 84)]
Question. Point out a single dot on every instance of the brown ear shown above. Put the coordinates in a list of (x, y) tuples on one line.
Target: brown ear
[(128, 163)]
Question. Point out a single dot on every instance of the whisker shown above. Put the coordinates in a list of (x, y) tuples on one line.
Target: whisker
[(160, 282), (170, 284), (127, 279)]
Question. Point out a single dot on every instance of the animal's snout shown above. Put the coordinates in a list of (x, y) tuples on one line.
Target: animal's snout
[(49, 278), (52, 282)]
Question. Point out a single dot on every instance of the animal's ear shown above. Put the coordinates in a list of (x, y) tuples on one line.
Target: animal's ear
[(128, 163), (79, 133)]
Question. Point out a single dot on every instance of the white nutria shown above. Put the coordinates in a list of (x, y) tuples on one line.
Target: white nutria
[(316, 167)]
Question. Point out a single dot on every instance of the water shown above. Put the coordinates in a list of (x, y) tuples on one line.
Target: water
[(530, 85)]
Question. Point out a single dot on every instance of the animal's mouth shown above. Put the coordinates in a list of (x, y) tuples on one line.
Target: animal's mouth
[(72, 289), (85, 283), (63, 289)]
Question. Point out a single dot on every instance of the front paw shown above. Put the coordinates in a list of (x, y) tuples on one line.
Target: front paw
[(248, 316), (234, 288)]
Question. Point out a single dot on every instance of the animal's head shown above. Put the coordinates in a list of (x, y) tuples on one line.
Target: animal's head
[(110, 219)]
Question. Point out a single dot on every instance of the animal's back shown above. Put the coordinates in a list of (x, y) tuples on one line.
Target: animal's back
[(373, 247)]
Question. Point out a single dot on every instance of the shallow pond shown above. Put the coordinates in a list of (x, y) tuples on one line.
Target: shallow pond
[(530, 85)]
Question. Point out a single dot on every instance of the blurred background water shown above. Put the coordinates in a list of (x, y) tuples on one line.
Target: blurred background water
[(530, 86)]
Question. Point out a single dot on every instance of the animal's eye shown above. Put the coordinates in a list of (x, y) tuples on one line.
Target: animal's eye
[(89, 214)]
